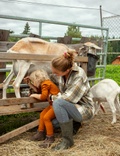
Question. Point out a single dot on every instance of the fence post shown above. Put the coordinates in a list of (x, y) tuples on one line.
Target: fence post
[(4, 34)]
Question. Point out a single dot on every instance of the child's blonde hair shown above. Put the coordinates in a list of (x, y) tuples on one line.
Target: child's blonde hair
[(38, 77)]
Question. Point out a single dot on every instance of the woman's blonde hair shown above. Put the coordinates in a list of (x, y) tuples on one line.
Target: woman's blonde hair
[(64, 62), (39, 76)]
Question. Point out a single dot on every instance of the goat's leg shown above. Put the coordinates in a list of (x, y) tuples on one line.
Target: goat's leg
[(24, 66), (112, 102), (117, 101), (113, 109), (97, 106), (6, 83)]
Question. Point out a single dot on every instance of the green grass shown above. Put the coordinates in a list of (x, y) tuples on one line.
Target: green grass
[(11, 122), (113, 72)]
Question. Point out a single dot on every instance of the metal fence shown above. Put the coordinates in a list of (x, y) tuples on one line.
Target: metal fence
[(102, 54), (113, 23)]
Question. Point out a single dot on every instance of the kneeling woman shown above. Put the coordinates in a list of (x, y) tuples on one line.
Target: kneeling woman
[(75, 102)]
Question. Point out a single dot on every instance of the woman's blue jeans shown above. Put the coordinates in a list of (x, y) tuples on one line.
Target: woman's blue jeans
[(65, 110)]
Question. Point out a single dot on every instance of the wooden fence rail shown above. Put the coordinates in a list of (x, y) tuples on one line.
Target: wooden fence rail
[(36, 57)]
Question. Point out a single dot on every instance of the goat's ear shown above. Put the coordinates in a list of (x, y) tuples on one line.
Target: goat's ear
[(76, 53), (27, 77)]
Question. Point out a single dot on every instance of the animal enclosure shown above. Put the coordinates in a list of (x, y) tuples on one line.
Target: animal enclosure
[(5, 57), (13, 104)]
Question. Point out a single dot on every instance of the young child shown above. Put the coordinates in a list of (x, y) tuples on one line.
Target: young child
[(41, 81)]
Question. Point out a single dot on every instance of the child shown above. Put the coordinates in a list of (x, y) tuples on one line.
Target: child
[(41, 81)]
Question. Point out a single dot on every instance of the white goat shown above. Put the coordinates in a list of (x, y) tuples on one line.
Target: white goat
[(30, 45), (107, 90)]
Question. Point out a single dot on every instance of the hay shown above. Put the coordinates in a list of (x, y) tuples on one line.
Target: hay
[(96, 138)]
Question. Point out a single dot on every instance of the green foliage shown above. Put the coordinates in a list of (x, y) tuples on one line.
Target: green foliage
[(113, 46), (11, 122), (11, 38), (110, 48), (95, 37), (26, 29), (74, 32), (110, 58), (112, 72)]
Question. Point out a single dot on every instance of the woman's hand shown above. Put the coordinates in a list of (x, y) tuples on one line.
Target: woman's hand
[(49, 98)]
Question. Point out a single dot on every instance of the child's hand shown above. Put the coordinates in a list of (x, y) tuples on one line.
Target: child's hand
[(26, 79), (36, 96)]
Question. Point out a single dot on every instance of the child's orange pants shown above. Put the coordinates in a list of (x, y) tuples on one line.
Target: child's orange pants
[(45, 121)]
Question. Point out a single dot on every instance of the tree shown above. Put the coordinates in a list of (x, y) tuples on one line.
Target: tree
[(73, 31), (113, 46), (12, 38), (11, 31), (26, 29)]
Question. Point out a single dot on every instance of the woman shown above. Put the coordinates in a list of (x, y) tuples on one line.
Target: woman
[(41, 83), (75, 102)]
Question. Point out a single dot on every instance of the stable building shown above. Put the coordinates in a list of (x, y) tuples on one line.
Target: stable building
[(116, 60)]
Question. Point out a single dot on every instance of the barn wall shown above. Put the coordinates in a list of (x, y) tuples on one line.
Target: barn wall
[(116, 61)]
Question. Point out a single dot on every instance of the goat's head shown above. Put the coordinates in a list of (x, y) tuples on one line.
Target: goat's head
[(88, 47)]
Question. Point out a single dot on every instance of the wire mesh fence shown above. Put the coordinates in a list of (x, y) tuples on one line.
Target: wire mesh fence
[(113, 23)]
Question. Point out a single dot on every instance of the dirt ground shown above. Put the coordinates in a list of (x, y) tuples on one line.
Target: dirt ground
[(97, 137)]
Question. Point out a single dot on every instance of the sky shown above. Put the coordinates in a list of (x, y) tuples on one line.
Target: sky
[(85, 12)]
